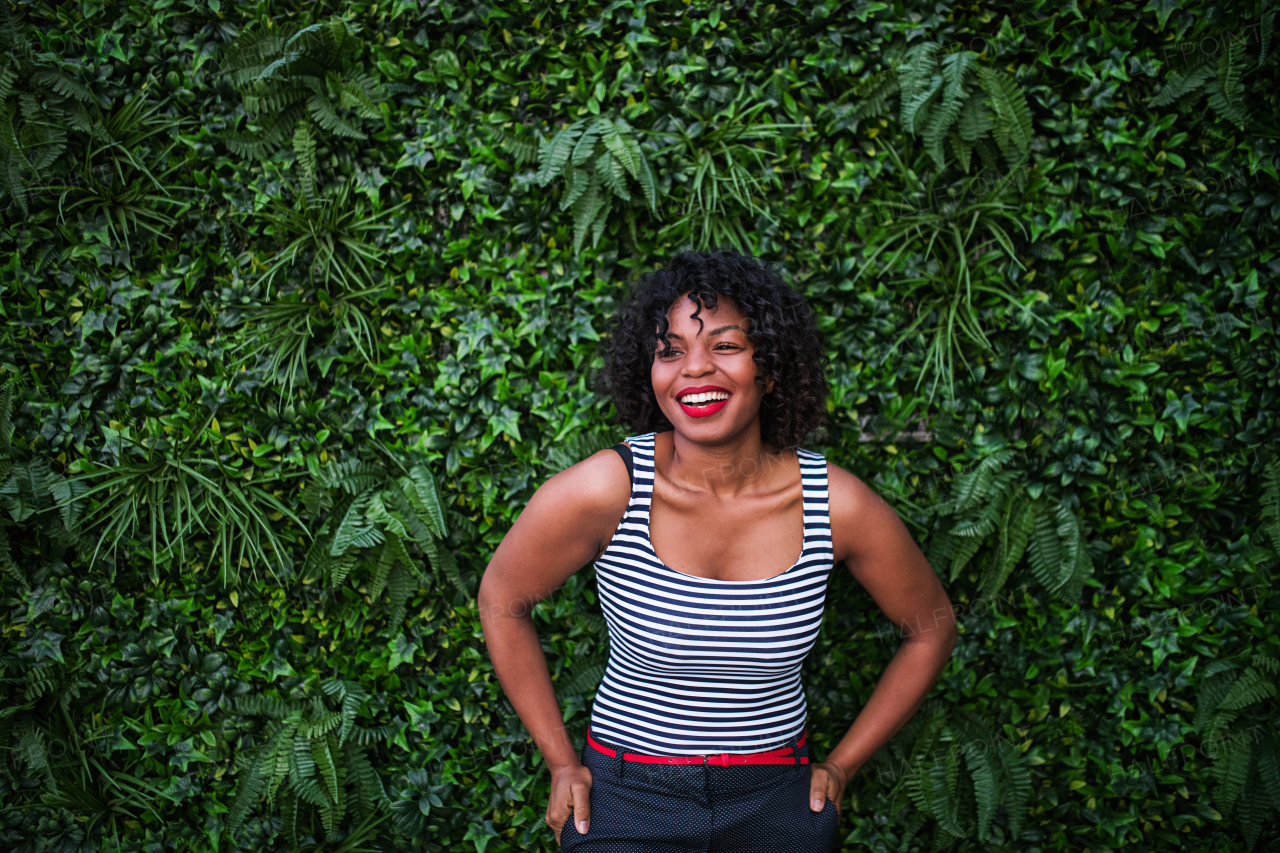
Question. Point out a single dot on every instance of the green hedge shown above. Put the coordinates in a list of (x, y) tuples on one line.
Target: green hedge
[(302, 303)]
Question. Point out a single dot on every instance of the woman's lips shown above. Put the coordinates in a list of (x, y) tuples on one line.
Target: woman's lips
[(703, 411)]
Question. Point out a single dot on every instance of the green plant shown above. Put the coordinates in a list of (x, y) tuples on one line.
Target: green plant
[(954, 253), (724, 160), (313, 764), (77, 779), (953, 98), (366, 507), (325, 239), (39, 102), (595, 158), (1222, 81), (929, 752), (119, 188), (992, 512), (1246, 758), (166, 495), (297, 81)]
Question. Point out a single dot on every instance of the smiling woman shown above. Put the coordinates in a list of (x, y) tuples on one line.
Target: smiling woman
[(698, 732)]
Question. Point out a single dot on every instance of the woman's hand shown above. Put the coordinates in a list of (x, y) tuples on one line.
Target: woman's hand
[(825, 780), (570, 789)]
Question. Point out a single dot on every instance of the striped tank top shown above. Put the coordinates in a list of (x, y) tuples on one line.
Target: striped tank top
[(698, 665)]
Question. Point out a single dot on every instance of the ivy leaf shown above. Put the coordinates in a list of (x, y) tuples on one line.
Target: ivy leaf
[(481, 834), (1180, 410), (402, 651), (43, 645), (421, 716), (1163, 9)]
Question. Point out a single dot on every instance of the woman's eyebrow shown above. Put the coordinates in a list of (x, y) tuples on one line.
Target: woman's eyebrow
[(715, 331)]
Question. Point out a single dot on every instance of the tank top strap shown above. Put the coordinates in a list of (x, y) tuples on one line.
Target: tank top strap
[(642, 473), (816, 497)]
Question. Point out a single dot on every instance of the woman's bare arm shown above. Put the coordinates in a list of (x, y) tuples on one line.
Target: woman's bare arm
[(872, 540), (567, 523)]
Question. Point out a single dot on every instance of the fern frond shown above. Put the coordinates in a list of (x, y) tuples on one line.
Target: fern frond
[(584, 149), (586, 208), (1214, 687), (1227, 91), (984, 787), (325, 768), (584, 679), (352, 476), (612, 175), (400, 586), (524, 150), (321, 109), (1252, 686), (1180, 84), (619, 143), (31, 749), (304, 147), (1016, 785), (975, 120), (1231, 771), (443, 561), (956, 68), (355, 530), (876, 102), (1013, 130), (1269, 768), (1020, 523), (554, 153), (370, 793), (386, 559), (919, 78), (425, 496), (251, 785), (966, 547), (367, 736), (63, 84), (576, 182)]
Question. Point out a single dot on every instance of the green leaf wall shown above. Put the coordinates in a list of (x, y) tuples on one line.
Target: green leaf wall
[(302, 302)]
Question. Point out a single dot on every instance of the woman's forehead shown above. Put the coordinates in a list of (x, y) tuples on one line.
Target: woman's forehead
[(685, 305)]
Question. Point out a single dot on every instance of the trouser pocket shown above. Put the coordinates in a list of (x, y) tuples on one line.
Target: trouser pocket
[(568, 832), (828, 826)]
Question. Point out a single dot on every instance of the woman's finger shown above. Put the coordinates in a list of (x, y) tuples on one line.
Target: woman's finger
[(818, 784), (581, 806)]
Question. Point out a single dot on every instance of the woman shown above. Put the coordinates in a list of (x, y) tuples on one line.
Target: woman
[(697, 736)]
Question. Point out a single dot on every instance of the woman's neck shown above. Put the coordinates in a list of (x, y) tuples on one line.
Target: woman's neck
[(744, 462)]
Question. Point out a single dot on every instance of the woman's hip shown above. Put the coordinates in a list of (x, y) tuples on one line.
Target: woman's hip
[(650, 808)]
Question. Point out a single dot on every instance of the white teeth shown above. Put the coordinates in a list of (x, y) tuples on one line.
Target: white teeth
[(704, 397)]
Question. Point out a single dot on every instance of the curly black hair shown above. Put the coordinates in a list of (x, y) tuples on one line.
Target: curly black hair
[(788, 345)]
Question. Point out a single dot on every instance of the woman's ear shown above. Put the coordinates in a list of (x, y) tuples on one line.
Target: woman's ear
[(768, 385)]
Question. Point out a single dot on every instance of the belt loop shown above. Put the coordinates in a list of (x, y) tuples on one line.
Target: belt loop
[(618, 760)]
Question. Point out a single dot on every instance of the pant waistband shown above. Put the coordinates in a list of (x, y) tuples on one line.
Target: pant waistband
[(782, 755)]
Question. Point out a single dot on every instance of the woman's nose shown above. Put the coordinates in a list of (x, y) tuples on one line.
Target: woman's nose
[(698, 362)]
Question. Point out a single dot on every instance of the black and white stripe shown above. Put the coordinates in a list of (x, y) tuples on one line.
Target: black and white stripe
[(698, 665)]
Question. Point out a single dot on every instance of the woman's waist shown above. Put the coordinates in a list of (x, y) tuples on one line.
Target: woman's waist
[(705, 735), (694, 715)]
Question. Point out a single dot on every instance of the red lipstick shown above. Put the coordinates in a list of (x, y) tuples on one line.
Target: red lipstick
[(706, 410)]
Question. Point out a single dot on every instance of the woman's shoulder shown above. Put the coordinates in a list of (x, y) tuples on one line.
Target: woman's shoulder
[(593, 492)]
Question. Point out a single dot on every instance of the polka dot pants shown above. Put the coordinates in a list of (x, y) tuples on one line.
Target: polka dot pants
[(744, 808)]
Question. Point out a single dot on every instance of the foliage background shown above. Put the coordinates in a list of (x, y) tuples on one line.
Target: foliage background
[(295, 321)]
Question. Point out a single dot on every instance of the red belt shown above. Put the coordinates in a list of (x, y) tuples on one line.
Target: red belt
[(782, 755)]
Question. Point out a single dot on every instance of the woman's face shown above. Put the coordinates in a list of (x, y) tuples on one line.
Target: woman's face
[(706, 384)]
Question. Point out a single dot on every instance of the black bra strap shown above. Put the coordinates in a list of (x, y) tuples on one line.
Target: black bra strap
[(625, 452)]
